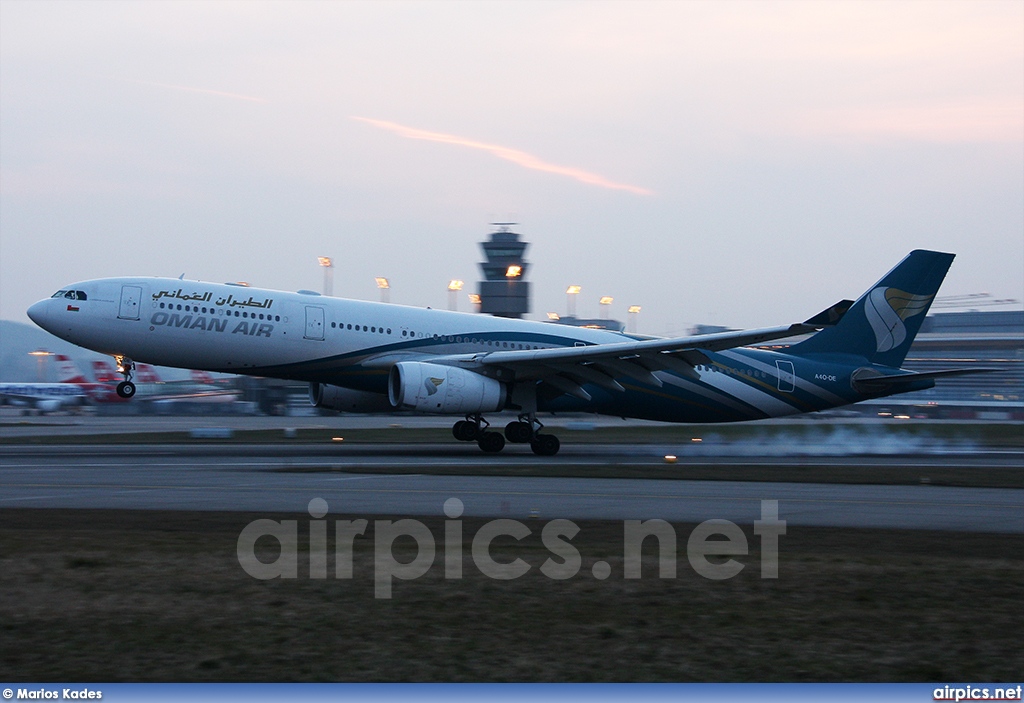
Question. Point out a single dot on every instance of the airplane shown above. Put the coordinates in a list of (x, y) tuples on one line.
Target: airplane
[(360, 356), (73, 389)]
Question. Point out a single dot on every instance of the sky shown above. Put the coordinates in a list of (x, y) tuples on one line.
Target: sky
[(736, 163)]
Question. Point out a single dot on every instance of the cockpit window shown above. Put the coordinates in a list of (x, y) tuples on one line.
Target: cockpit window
[(71, 294), (59, 294), (81, 294)]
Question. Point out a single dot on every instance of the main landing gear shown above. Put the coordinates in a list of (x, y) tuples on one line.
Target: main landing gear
[(126, 389), (524, 430)]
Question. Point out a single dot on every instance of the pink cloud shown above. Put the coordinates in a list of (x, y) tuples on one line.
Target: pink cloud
[(520, 158)]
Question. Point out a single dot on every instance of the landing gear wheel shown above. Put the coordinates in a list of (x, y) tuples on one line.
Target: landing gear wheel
[(465, 430), (491, 442), (518, 432), (545, 445), (125, 389)]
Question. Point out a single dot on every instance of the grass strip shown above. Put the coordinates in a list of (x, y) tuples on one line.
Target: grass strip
[(159, 596)]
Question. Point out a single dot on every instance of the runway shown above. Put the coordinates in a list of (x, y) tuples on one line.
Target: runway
[(276, 478)]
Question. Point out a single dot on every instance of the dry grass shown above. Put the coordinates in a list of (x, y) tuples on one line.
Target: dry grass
[(158, 596)]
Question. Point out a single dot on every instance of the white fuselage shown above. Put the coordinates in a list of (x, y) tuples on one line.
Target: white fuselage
[(236, 329)]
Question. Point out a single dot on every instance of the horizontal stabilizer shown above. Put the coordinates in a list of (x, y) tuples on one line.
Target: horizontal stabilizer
[(882, 381)]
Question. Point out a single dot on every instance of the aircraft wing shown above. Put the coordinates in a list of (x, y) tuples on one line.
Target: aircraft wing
[(569, 368)]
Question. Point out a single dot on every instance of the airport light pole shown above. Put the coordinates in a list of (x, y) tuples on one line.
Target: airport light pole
[(328, 265), (454, 286), (513, 272), (606, 302), (40, 355), (474, 299), (385, 288), (570, 300), (633, 311)]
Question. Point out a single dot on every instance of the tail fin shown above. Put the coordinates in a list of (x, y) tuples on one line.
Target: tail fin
[(68, 371), (201, 377), (145, 373), (883, 322), (104, 372)]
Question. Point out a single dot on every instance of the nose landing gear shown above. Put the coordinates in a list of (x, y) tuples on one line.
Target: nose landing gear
[(126, 389)]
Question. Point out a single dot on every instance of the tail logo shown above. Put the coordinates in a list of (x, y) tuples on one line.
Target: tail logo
[(432, 384), (886, 310)]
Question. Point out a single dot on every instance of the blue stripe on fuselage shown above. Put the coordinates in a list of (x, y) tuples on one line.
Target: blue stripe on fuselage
[(741, 384)]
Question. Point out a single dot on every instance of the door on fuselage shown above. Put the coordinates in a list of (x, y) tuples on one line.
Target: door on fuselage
[(314, 322), (130, 297), (787, 376)]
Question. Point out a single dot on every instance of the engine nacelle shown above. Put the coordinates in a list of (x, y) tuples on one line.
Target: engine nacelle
[(433, 388), (330, 397)]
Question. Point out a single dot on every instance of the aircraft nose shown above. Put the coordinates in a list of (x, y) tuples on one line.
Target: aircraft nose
[(38, 313)]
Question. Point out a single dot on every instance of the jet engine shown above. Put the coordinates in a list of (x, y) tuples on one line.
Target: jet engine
[(433, 388), (323, 395)]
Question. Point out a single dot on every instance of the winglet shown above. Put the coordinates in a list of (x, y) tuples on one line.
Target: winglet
[(830, 317)]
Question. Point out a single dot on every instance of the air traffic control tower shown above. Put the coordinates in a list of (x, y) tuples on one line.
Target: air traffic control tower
[(504, 291)]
